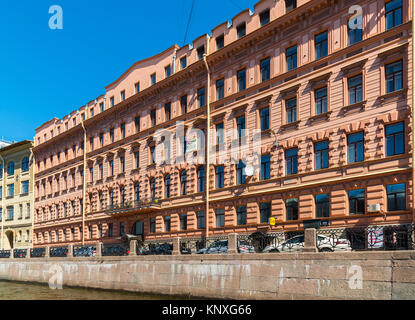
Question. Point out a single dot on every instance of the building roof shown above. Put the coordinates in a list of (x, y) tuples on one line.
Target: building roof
[(15, 145)]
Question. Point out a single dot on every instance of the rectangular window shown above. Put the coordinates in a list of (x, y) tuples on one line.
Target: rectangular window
[(200, 52), (320, 43), (101, 171), (111, 167), (25, 187), (395, 140), (291, 207), (220, 42), (153, 79), (264, 118), (241, 215), (121, 228), (220, 89), (355, 143), (183, 104), (241, 76), (290, 5), (153, 117), (201, 221), (183, 63), (396, 194), (137, 159), (393, 13), (354, 85), (265, 67), (122, 128), (291, 161), (393, 74), (219, 133), (112, 136), (123, 95), (320, 99), (265, 167), (220, 173), (122, 164), (220, 217), (357, 201), (137, 124), (291, 58), (167, 71), (152, 155), (137, 87), (241, 30), (167, 224), (10, 213), (354, 34), (240, 125), (265, 212), (201, 97), (322, 205), (167, 111), (152, 225), (201, 179), (291, 110), (183, 222), (111, 101), (321, 150), (110, 229), (264, 17), (240, 173), (10, 190), (101, 106)]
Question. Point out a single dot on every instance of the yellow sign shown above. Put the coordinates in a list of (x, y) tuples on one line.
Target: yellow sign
[(272, 221)]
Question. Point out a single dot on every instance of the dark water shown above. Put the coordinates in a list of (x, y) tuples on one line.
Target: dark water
[(33, 291)]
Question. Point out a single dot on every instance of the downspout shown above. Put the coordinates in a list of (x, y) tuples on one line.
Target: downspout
[(2, 204), (207, 175), (413, 115), (32, 184), (84, 182)]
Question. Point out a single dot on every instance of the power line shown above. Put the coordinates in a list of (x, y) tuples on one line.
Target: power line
[(188, 22)]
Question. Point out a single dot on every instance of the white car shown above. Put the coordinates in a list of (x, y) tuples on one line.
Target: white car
[(324, 244)]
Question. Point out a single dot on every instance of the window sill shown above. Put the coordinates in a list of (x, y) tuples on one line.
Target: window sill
[(24, 194), (358, 105), (291, 125), (394, 94), (325, 115)]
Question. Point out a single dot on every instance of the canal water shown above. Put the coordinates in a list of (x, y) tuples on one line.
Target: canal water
[(32, 291)]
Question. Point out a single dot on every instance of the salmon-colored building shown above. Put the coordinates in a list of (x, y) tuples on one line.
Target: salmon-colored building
[(332, 102)]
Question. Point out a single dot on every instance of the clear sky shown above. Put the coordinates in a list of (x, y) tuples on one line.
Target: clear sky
[(48, 73)]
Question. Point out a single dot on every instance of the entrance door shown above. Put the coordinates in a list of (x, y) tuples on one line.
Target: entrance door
[(138, 228)]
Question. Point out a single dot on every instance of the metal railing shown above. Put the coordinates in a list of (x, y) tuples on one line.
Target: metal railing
[(259, 242), (4, 254), (58, 251), (37, 252), (19, 253), (85, 251), (155, 247), (114, 249)]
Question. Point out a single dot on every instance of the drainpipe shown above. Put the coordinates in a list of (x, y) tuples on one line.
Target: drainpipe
[(207, 175), (84, 181), (2, 204), (413, 114), (32, 184)]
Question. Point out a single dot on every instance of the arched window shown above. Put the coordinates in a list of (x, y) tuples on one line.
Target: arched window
[(25, 164), (153, 188), (201, 179), (183, 182), (167, 184)]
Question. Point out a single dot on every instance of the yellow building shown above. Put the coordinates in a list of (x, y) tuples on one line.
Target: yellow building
[(16, 195)]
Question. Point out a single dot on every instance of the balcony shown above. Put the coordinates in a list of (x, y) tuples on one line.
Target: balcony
[(127, 208)]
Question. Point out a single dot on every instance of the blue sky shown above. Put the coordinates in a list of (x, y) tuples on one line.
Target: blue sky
[(48, 73)]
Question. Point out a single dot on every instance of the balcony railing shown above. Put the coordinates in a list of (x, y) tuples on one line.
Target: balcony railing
[(127, 207)]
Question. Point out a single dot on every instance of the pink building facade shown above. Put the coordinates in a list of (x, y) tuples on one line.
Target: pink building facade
[(331, 102)]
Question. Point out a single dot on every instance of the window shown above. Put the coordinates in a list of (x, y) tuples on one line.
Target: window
[(291, 207), (264, 212), (122, 194), (220, 217), (153, 188), (354, 34), (393, 74), (25, 164), (10, 213), (291, 161), (220, 173), (167, 111), (200, 52), (183, 222), (137, 87), (100, 199), (265, 167), (355, 89), (290, 5), (201, 179), (322, 205), (355, 148), (112, 137), (122, 95), (396, 194), (110, 229), (219, 133), (137, 159), (122, 164), (153, 79), (220, 89), (395, 139), (91, 144), (291, 58), (25, 187), (137, 124), (152, 225), (167, 71), (137, 191), (264, 17), (183, 104), (240, 124), (241, 76), (111, 101), (121, 228), (201, 222), (183, 182), (201, 97), (101, 106), (183, 63), (122, 130), (291, 110), (10, 168), (10, 190), (357, 201), (167, 224), (320, 43), (153, 117), (167, 184), (320, 99), (264, 118), (101, 171), (265, 69), (321, 150), (241, 30), (393, 13), (220, 42), (240, 173), (111, 167), (241, 215), (152, 155)]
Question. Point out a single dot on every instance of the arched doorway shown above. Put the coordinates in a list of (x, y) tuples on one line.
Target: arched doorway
[(8, 242)]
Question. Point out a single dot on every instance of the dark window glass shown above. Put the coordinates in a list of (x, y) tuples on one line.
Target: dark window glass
[(25, 164), (153, 188), (291, 206), (123, 130), (355, 148), (264, 17), (395, 140), (10, 168), (264, 118), (265, 212), (219, 133), (393, 73), (240, 124), (220, 89), (183, 182), (110, 230), (393, 13), (241, 80), (240, 172), (290, 5), (220, 42), (220, 172), (152, 225), (265, 66), (320, 98), (167, 111), (291, 110), (121, 228), (112, 137), (200, 52), (152, 154), (122, 194), (322, 205), (137, 87), (320, 43), (355, 89), (183, 63), (241, 30), (167, 223), (265, 167), (122, 96), (220, 217), (183, 222), (167, 184), (153, 78), (137, 159), (137, 191), (201, 220), (396, 194), (153, 117), (291, 58), (241, 215), (201, 179), (291, 161), (167, 71), (354, 35), (183, 104), (321, 150), (201, 97), (357, 201)]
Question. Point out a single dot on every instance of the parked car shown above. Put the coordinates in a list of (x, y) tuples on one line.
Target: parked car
[(221, 246), (324, 244)]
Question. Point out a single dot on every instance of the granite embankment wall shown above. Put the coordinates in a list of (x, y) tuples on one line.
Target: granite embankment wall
[(384, 275)]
